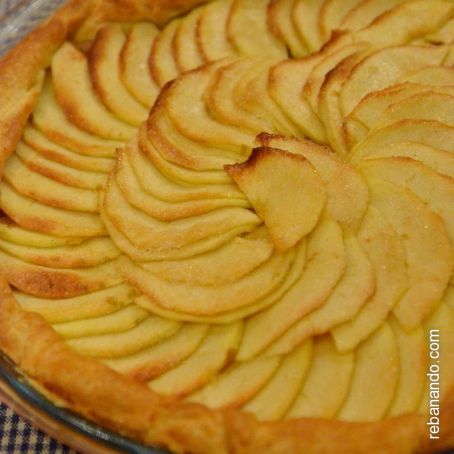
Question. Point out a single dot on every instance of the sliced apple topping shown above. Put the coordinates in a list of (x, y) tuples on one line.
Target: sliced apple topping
[(248, 30), (274, 400), (372, 391), (219, 345), (211, 31), (347, 192), (306, 18), (281, 23), (329, 369), (325, 265), (401, 59), (285, 191)]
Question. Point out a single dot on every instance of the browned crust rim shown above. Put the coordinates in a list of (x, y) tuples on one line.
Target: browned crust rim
[(119, 402)]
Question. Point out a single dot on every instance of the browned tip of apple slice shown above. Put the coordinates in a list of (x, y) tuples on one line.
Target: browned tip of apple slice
[(285, 191)]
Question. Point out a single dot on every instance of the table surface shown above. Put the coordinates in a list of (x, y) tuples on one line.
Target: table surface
[(18, 436)]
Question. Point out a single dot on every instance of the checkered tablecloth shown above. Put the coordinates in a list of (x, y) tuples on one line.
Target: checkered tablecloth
[(17, 436)]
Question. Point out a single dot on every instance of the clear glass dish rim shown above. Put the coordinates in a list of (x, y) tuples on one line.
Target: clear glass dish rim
[(18, 384)]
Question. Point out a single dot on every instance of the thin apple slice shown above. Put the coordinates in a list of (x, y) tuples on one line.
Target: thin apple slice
[(58, 154), (435, 190), (212, 31), (285, 191), (273, 401), (311, 90), (213, 354), (58, 283), (46, 219), (449, 59), (431, 75), (184, 45), (325, 265), (159, 209), (237, 384), (75, 93), (150, 233), (50, 119), (220, 97), (444, 35), (387, 254), (285, 84), (89, 253), (429, 106), (354, 289), (281, 24), (371, 390), (186, 108), (367, 11), (431, 133), (140, 254), (332, 14), (225, 265), (124, 319), (402, 60), (161, 61), (200, 247), (289, 280), (159, 185), (413, 360), (148, 332), (247, 29), (58, 172), (347, 191), (328, 102), (13, 233), (438, 160), (329, 370), (406, 22), (376, 106), (165, 355), (178, 149), (251, 94), (201, 300), (47, 190), (306, 19), (96, 304), (104, 66), (134, 70), (427, 245), (175, 172)]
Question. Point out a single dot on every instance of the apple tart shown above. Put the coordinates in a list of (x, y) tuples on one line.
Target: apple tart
[(228, 227)]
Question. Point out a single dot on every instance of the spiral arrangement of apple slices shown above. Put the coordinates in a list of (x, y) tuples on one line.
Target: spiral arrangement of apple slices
[(276, 233)]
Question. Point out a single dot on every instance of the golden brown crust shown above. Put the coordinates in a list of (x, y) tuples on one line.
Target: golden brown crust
[(21, 71), (125, 405), (158, 11), (120, 402)]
